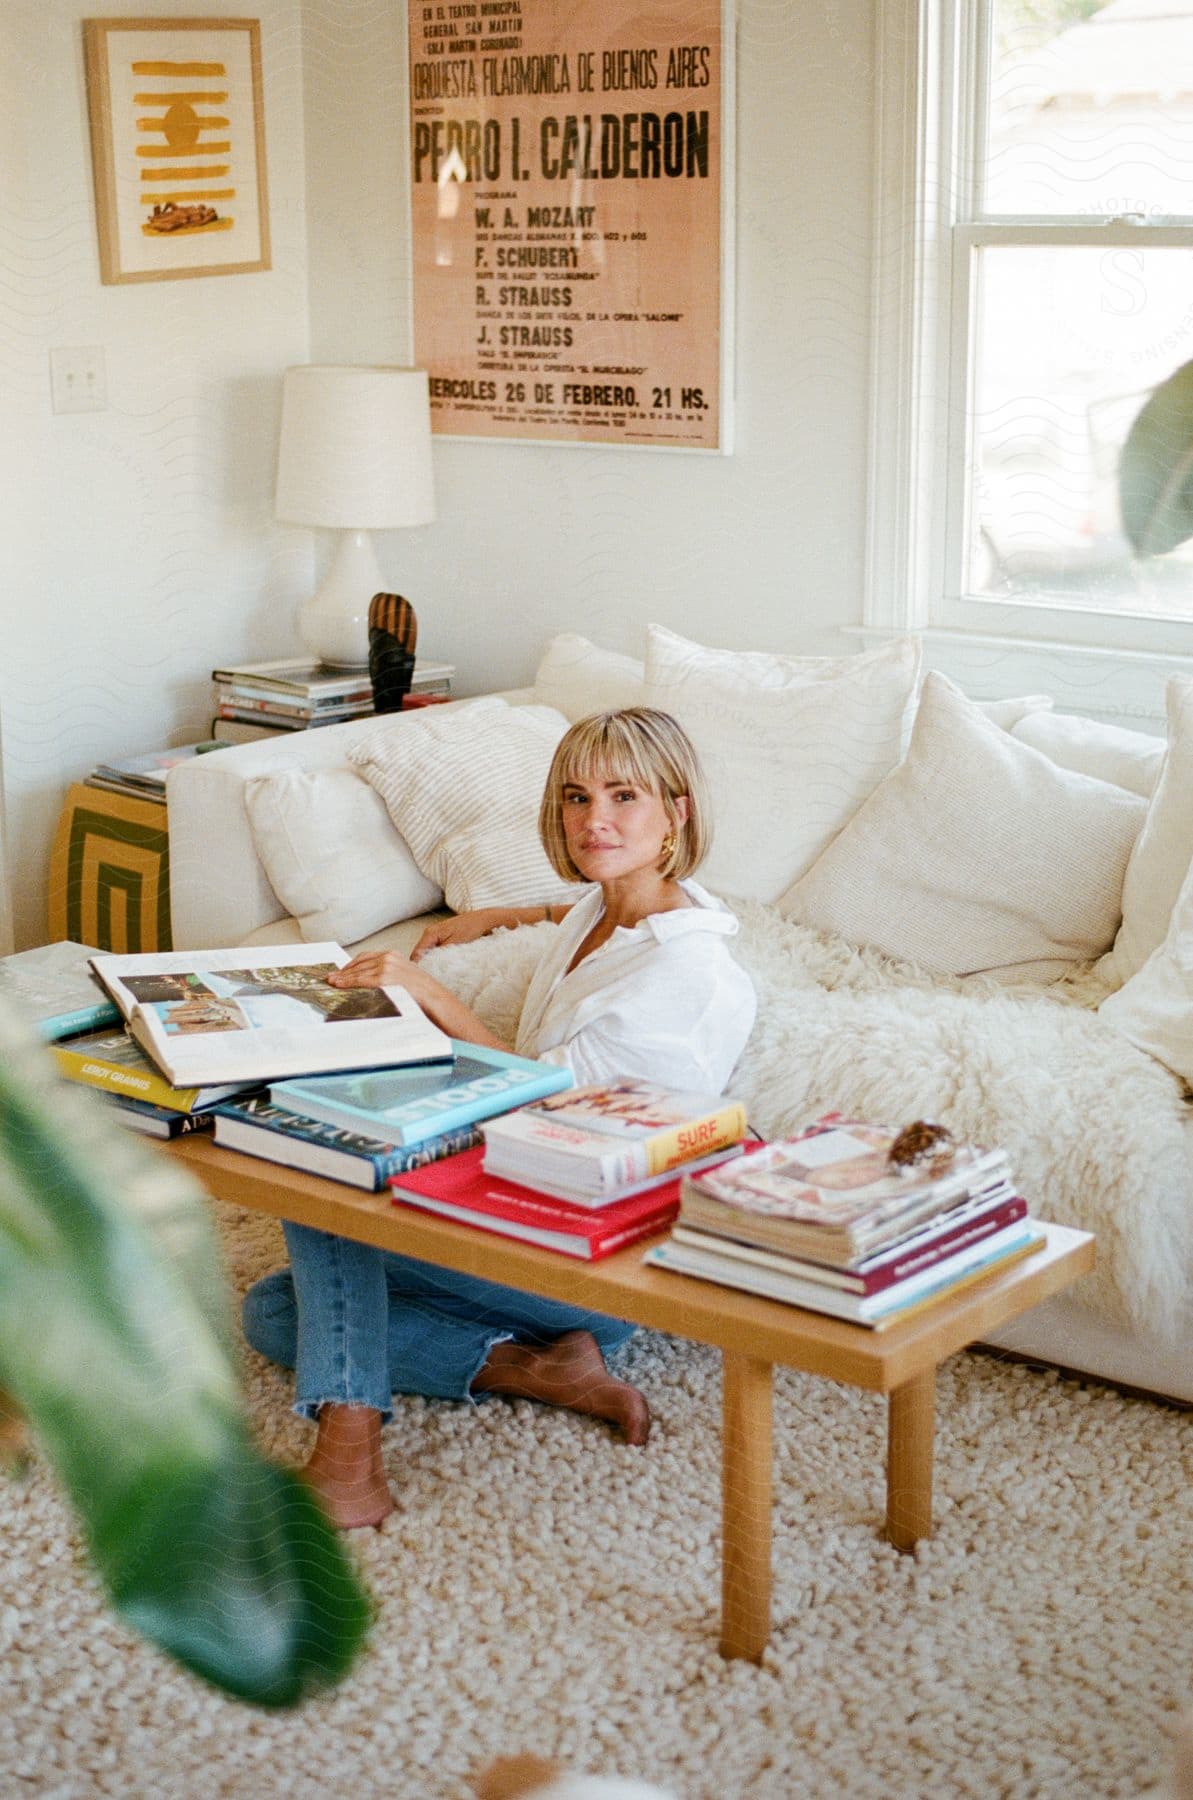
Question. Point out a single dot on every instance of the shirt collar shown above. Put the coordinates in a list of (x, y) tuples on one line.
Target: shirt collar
[(707, 914)]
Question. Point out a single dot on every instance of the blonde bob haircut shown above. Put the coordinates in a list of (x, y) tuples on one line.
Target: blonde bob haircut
[(645, 749)]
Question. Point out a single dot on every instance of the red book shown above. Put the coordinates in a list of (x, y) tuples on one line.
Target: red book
[(459, 1188)]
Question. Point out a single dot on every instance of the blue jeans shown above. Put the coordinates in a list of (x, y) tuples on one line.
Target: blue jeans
[(358, 1325)]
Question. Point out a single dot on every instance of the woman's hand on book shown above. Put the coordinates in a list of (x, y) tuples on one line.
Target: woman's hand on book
[(373, 968)]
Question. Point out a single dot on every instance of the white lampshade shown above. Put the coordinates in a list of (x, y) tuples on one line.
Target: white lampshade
[(355, 448), (355, 453)]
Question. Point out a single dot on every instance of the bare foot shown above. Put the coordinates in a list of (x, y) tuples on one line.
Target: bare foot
[(510, 1777), (570, 1372), (346, 1470)]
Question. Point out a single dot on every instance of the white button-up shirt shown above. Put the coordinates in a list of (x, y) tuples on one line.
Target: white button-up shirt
[(663, 1000)]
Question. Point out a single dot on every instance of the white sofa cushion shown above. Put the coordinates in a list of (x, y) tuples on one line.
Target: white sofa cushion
[(1154, 1009), (791, 746), (977, 854), (1129, 759), (577, 677), (331, 854), (1011, 712), (463, 789), (1163, 850)]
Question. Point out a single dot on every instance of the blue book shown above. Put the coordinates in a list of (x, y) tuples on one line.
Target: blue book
[(55, 988), (406, 1106), (260, 1128)]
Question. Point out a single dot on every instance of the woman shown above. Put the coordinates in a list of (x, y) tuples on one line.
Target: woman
[(639, 981)]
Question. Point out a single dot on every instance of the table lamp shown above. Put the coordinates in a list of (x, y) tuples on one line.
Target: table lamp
[(355, 453)]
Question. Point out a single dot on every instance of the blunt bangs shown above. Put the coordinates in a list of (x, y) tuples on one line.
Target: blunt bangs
[(645, 748)]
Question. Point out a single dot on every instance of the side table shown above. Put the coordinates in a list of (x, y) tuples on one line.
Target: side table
[(110, 872)]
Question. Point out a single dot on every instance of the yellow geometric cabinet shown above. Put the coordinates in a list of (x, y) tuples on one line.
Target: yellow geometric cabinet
[(110, 872)]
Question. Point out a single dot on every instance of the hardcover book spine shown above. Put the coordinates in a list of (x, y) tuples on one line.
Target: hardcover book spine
[(155, 1121), (432, 1149), (630, 1234), (114, 1078), (84, 1018), (683, 1143)]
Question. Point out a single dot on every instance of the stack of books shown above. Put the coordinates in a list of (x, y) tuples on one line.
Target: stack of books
[(608, 1140), (146, 1102), (585, 1172), (143, 777), (363, 1128), (57, 990), (827, 1221), (295, 694), (205, 1026)]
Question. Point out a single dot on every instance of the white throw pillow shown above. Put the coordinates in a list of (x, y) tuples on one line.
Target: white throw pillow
[(1154, 1009), (1009, 713), (332, 856), (463, 787), (791, 746), (1163, 850), (1129, 759), (976, 854), (578, 677)]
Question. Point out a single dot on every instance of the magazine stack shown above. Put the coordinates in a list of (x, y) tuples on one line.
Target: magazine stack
[(295, 694), (596, 1144), (864, 1222)]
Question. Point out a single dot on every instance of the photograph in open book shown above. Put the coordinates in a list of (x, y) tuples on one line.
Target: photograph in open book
[(246, 1015), (255, 999)]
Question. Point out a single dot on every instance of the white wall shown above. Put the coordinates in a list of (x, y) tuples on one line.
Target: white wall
[(760, 549), (139, 547), (138, 543)]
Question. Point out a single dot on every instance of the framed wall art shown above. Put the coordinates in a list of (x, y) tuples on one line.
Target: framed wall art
[(177, 147), (571, 170)]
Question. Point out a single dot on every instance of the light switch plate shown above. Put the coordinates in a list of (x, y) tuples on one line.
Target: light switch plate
[(78, 380)]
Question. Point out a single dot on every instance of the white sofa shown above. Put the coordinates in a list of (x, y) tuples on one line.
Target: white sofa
[(837, 1025)]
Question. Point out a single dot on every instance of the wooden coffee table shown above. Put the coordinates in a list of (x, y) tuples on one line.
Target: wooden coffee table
[(752, 1334)]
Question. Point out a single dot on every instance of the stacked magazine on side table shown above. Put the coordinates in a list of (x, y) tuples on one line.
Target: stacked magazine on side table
[(863, 1222), (295, 694)]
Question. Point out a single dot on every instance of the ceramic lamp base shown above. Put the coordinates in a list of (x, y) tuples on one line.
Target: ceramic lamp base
[(334, 622)]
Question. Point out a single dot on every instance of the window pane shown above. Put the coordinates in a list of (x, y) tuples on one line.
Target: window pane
[(1091, 108), (1069, 344)]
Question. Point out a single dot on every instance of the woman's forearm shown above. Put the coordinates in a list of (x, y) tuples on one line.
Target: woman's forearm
[(444, 1009)]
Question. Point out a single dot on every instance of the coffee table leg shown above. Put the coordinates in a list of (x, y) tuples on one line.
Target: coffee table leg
[(746, 1504), (910, 1426)]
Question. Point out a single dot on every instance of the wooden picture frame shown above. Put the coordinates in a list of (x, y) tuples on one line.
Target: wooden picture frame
[(179, 191)]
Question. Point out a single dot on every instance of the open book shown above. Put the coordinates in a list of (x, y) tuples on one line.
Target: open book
[(260, 1013)]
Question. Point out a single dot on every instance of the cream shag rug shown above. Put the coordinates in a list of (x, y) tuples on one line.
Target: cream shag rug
[(543, 1587)]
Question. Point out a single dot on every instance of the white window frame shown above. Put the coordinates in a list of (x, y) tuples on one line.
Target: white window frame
[(927, 114)]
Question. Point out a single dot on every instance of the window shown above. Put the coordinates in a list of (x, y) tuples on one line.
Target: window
[(1036, 282)]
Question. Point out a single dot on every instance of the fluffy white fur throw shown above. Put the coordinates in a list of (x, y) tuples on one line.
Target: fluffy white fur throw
[(1094, 1128)]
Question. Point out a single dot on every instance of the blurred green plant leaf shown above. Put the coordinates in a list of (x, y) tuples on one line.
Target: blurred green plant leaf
[(1155, 473), (116, 1344)]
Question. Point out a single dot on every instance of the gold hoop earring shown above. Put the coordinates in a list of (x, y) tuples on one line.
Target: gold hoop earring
[(667, 847)]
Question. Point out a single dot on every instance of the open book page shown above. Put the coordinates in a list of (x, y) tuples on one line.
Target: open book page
[(148, 975), (264, 1013)]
